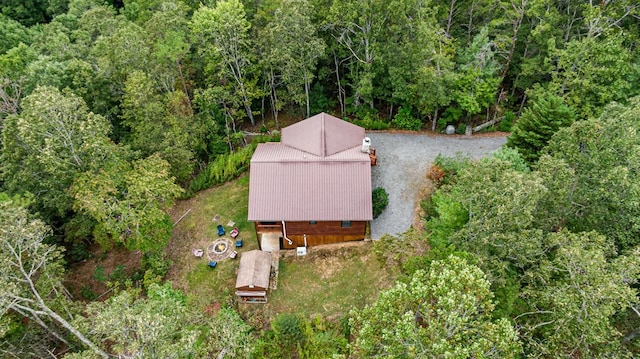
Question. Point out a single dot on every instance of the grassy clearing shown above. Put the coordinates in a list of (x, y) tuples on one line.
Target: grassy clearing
[(328, 281)]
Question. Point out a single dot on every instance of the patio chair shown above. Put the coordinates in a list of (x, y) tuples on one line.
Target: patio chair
[(221, 231), (238, 243), (234, 232), (213, 264)]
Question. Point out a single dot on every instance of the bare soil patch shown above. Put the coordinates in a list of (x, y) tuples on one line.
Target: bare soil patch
[(84, 274)]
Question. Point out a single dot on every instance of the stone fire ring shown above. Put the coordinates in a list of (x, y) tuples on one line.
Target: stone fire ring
[(220, 249)]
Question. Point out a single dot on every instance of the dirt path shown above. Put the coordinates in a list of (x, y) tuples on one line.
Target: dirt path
[(403, 161)]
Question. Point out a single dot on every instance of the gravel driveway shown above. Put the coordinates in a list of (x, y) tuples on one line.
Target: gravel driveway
[(403, 161)]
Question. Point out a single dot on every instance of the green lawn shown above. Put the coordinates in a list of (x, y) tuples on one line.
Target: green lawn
[(328, 281)]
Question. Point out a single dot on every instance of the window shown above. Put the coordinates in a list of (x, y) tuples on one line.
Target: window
[(345, 224), (313, 222)]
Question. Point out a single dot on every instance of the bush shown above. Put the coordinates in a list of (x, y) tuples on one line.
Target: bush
[(451, 166), (512, 156), (99, 274), (405, 120), (436, 174), (119, 275), (380, 200), (507, 122), (226, 167), (155, 262), (87, 293), (372, 124)]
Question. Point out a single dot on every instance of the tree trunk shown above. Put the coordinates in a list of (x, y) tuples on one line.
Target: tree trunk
[(306, 93), (435, 119), (341, 92)]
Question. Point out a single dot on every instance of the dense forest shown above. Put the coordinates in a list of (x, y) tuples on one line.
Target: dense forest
[(110, 110)]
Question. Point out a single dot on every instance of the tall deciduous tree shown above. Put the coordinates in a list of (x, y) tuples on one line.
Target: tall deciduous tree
[(31, 274), (52, 140), (359, 26), (444, 312), (477, 81), (161, 124), (128, 201), (163, 325), (293, 49), (224, 34), (596, 171), (574, 294)]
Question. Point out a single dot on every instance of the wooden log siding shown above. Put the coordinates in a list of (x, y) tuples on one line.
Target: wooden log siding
[(323, 233), (268, 227)]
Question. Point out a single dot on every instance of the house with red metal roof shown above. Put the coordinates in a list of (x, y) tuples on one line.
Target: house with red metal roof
[(313, 187)]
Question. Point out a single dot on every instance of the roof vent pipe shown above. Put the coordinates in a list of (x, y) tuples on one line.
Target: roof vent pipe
[(366, 144)]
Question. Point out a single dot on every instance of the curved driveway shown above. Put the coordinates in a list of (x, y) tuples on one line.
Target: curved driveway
[(403, 161)]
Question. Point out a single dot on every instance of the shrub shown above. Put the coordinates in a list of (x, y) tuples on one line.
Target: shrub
[(372, 124), (99, 274), (87, 293), (512, 156), (380, 200), (405, 120), (226, 167), (119, 275), (156, 263), (451, 166), (436, 174), (461, 129), (507, 122)]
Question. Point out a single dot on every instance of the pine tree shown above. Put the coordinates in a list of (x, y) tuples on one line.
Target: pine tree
[(544, 116)]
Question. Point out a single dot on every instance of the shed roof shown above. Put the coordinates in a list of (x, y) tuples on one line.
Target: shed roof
[(291, 184), (254, 271)]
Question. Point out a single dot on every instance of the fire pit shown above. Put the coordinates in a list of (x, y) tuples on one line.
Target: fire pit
[(219, 250)]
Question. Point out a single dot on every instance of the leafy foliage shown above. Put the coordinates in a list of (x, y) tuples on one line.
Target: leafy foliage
[(445, 311), (49, 143), (405, 120), (538, 123), (380, 199), (127, 202)]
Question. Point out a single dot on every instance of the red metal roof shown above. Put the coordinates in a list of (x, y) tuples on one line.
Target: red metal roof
[(293, 184), (323, 135)]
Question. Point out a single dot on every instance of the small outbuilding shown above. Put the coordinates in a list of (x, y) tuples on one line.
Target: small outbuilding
[(253, 276)]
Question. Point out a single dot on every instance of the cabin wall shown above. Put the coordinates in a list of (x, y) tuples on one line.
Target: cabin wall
[(323, 233)]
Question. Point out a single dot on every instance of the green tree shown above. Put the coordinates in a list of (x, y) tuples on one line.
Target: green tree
[(27, 12), (573, 296), (359, 27), (143, 327), (12, 33), (539, 121), (158, 124), (127, 201), (477, 82), (146, 326), (49, 143), (443, 312), (223, 33), (293, 49), (31, 274), (593, 71), (595, 173)]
